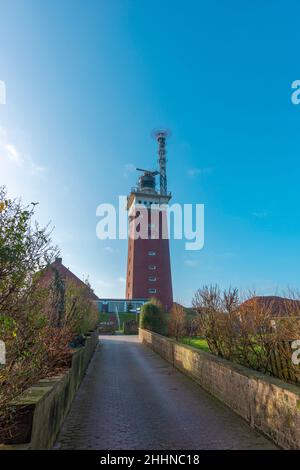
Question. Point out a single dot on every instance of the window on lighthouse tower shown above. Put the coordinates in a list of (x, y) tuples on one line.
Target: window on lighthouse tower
[(152, 291)]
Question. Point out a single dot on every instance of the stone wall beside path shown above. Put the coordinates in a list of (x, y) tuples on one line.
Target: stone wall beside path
[(266, 403), (52, 398)]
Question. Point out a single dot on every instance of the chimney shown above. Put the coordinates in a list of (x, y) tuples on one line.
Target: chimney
[(58, 260)]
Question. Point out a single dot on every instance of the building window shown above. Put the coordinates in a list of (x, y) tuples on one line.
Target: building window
[(152, 278), (152, 267), (152, 291), (151, 253)]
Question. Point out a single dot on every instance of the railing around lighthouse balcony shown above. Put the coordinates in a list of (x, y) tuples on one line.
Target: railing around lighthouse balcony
[(137, 190)]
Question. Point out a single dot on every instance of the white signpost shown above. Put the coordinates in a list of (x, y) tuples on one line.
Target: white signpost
[(2, 353)]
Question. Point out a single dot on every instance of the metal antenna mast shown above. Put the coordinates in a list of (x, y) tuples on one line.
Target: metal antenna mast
[(161, 137)]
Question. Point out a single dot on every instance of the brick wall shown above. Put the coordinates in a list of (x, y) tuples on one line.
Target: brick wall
[(138, 261)]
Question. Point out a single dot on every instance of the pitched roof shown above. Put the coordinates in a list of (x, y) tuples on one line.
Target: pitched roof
[(66, 274), (277, 306)]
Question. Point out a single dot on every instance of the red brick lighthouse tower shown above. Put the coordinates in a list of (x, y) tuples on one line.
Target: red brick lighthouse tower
[(148, 262)]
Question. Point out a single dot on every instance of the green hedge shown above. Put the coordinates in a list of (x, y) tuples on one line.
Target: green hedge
[(152, 318)]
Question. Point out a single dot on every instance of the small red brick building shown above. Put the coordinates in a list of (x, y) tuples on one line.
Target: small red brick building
[(66, 274), (274, 305)]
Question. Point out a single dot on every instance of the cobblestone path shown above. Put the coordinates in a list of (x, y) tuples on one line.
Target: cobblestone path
[(130, 398)]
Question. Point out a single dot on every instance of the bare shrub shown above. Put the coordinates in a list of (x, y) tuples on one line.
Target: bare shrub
[(177, 322), (249, 331), (81, 313), (212, 322)]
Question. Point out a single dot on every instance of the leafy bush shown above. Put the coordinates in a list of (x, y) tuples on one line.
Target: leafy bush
[(37, 323), (25, 248), (152, 317)]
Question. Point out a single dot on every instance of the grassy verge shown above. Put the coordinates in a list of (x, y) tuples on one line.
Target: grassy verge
[(123, 317), (199, 343)]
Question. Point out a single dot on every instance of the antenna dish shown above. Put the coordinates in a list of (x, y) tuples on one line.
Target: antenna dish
[(161, 132), (148, 172)]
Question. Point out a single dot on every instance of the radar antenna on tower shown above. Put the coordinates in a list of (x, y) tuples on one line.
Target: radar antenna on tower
[(161, 135)]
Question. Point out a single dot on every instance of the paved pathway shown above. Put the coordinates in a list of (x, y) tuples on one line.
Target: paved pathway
[(132, 399)]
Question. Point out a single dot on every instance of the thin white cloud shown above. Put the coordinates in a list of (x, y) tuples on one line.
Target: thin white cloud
[(2, 92), (214, 269), (122, 280), (13, 154), (128, 169), (191, 262), (34, 168), (109, 249), (10, 152), (224, 255), (3, 132), (100, 283), (260, 214), (194, 172)]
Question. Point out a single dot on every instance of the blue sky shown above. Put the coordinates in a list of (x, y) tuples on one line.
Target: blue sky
[(88, 81)]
